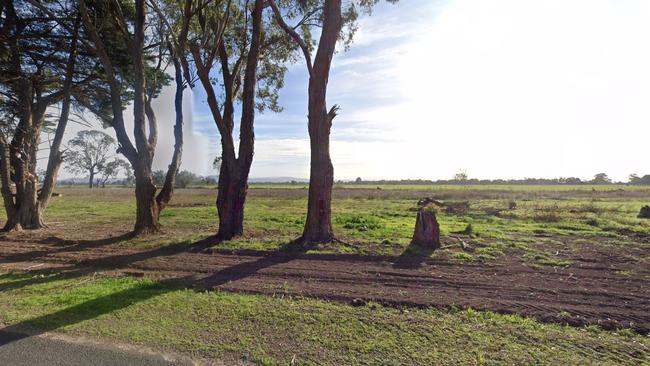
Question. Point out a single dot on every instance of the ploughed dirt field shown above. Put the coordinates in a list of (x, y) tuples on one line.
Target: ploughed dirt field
[(600, 286)]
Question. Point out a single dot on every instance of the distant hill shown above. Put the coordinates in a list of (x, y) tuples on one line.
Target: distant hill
[(278, 180), (274, 180)]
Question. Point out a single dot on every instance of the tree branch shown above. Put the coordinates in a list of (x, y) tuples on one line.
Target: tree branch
[(116, 98), (291, 32)]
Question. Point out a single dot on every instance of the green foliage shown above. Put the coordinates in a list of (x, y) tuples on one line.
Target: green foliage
[(636, 180), (359, 222), (93, 152), (306, 17), (461, 257), (112, 168), (185, 178), (601, 178), (277, 51), (114, 21)]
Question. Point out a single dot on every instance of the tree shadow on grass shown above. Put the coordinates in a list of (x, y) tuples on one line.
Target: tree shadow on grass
[(243, 270), (89, 266), (413, 257), (87, 310), (122, 299), (64, 245)]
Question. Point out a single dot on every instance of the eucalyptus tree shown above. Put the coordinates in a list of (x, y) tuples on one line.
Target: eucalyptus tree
[(238, 55), (91, 151), (112, 169), (336, 23), (40, 66), (117, 29)]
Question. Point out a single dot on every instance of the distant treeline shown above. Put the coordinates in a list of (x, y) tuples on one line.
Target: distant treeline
[(599, 179), (186, 179)]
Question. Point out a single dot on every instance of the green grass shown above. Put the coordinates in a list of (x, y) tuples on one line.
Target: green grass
[(381, 221), (274, 330)]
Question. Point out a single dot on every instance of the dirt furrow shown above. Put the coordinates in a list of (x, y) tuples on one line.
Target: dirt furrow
[(574, 295)]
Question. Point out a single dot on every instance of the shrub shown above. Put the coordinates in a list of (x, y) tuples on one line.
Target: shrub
[(359, 222), (460, 207)]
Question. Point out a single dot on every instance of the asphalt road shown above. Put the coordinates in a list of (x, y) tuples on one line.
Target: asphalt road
[(19, 350)]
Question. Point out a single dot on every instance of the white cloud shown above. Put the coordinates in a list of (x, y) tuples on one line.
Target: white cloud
[(504, 89)]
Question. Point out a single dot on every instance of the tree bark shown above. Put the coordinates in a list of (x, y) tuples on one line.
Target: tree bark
[(5, 176), (26, 212), (427, 231), (146, 221), (318, 226), (167, 190), (91, 178), (28, 215), (231, 198)]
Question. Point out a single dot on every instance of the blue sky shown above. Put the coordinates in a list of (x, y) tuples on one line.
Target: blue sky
[(499, 88), (360, 80)]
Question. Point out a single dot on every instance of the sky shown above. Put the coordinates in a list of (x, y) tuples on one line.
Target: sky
[(496, 88)]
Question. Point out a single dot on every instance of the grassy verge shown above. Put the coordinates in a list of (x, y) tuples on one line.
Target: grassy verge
[(275, 330)]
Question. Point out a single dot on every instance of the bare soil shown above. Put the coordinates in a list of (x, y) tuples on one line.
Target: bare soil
[(601, 286)]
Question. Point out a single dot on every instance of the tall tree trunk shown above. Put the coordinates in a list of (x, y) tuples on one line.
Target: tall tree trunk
[(5, 176), (233, 176), (141, 155), (318, 227), (145, 189), (91, 178), (231, 197), (28, 215), (56, 156), (146, 221), (26, 212), (22, 212), (167, 190)]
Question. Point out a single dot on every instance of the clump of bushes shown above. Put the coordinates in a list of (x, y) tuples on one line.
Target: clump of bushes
[(359, 222), (457, 208), (547, 214)]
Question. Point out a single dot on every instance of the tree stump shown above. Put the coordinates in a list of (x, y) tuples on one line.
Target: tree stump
[(644, 213), (427, 230)]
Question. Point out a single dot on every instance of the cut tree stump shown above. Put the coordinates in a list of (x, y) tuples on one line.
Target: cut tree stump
[(427, 230)]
